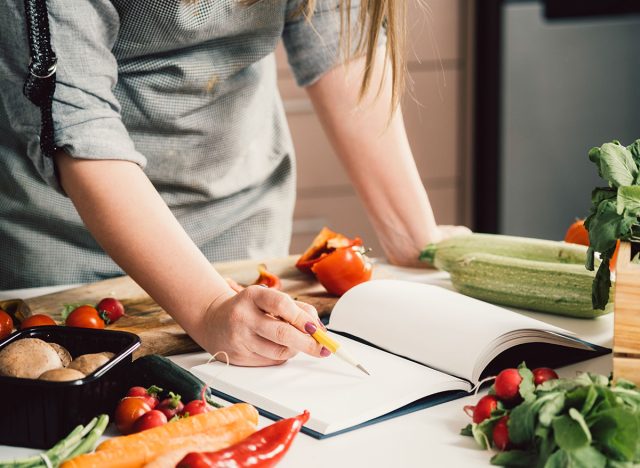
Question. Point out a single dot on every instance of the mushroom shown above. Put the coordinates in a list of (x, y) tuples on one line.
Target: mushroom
[(65, 356), (28, 358), (62, 375), (89, 363)]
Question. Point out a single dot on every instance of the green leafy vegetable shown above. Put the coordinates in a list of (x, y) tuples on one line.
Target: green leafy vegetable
[(587, 421), (614, 210)]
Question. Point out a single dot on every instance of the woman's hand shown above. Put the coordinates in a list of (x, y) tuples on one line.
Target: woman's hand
[(259, 326)]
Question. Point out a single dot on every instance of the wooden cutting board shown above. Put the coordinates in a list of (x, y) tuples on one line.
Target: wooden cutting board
[(159, 333)]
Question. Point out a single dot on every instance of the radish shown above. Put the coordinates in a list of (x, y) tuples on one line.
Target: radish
[(171, 406), (507, 385), (500, 434), (483, 409), (542, 374)]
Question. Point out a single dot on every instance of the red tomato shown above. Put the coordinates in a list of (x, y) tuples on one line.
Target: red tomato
[(110, 309), (6, 324), (149, 395), (38, 320), (577, 233), (342, 269), (483, 409), (149, 420), (501, 434), (542, 374), (128, 411), (507, 385), (85, 317), (196, 407)]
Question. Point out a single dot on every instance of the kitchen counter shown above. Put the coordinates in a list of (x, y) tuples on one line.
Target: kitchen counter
[(426, 437)]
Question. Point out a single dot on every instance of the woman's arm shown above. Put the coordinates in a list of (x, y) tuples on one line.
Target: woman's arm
[(129, 219), (376, 154)]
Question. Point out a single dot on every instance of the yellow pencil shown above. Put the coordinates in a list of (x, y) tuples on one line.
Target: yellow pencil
[(332, 345)]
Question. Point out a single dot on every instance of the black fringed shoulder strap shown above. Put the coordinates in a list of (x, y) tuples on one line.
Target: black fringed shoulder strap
[(41, 80)]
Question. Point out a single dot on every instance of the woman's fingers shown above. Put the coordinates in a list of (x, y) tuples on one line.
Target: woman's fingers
[(233, 284), (282, 306), (273, 352), (284, 335)]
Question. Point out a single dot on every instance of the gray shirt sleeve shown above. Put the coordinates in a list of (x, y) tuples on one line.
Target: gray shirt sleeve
[(86, 114), (313, 47)]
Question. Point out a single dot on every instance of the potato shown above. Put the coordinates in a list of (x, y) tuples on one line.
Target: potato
[(28, 358), (62, 375), (89, 363), (65, 356)]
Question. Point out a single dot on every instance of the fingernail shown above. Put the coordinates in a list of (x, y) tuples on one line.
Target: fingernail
[(324, 352), (310, 328)]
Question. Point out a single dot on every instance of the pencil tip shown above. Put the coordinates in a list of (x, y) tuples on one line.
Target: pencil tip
[(363, 369)]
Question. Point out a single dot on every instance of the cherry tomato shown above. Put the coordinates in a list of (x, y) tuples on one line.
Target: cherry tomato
[(507, 385), (149, 420), (150, 395), (542, 374), (196, 407), (500, 434), (6, 324), (483, 409), (85, 317), (110, 309), (171, 406), (342, 269), (128, 411), (38, 320)]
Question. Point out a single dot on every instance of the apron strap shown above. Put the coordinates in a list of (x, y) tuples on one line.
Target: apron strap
[(41, 79)]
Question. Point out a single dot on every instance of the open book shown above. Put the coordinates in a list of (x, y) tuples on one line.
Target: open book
[(422, 345)]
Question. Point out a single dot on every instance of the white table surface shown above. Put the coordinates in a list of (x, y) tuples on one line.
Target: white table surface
[(428, 437)]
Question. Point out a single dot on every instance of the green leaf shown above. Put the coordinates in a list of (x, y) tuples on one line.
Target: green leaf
[(481, 435), (624, 383), (551, 409), (589, 401), (617, 432), (586, 457), (527, 387), (628, 199), (603, 226), (615, 164), (558, 459), (466, 431), (634, 149), (569, 433), (522, 422), (558, 384), (515, 458), (601, 286)]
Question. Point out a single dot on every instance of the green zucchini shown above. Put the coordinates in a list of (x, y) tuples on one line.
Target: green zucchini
[(157, 370), (443, 254), (557, 288)]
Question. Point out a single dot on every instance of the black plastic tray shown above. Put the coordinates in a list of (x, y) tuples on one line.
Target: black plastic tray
[(38, 413)]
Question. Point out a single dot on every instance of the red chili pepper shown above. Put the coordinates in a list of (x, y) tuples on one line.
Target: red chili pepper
[(267, 278), (262, 449)]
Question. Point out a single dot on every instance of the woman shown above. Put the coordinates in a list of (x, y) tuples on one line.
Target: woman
[(174, 152)]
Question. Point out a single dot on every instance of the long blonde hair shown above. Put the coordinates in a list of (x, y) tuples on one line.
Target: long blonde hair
[(372, 17)]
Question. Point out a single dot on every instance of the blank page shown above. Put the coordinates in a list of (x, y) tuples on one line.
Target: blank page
[(432, 325), (337, 395)]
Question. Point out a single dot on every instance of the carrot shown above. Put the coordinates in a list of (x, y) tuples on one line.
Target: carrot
[(229, 425)]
